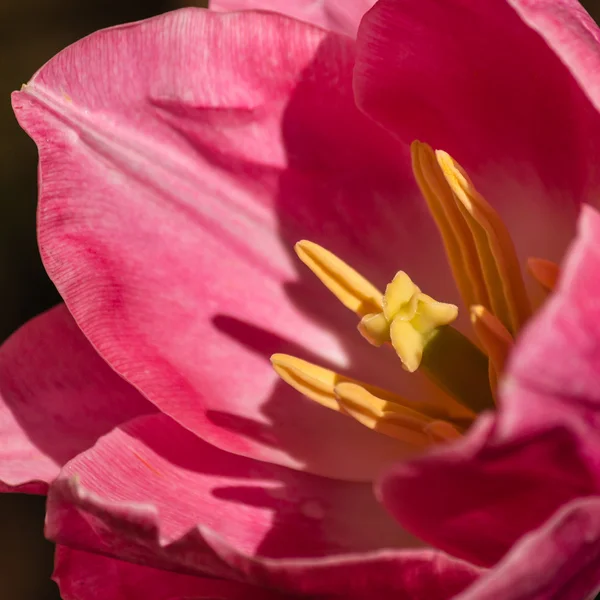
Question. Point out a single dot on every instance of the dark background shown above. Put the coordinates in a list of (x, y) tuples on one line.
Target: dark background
[(31, 32)]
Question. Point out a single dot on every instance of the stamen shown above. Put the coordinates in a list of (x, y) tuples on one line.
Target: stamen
[(545, 272), (456, 237), (385, 417), (348, 286), (497, 255), (495, 339), (319, 384)]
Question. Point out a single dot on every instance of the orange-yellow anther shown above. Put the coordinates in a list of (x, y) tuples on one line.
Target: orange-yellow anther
[(495, 339), (317, 383), (346, 284), (497, 256), (545, 272), (456, 237)]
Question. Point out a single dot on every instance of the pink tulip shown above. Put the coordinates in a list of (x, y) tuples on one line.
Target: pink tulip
[(180, 160)]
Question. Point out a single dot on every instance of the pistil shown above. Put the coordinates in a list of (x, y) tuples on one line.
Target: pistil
[(419, 328)]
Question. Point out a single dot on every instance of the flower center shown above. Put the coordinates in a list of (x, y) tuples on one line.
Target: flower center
[(486, 270)]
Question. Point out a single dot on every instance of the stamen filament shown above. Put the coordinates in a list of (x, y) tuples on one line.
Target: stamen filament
[(347, 285), (495, 339)]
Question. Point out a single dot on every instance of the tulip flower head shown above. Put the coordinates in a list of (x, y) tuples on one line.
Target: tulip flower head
[(444, 443)]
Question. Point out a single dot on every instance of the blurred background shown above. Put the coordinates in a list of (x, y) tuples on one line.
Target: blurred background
[(31, 32)]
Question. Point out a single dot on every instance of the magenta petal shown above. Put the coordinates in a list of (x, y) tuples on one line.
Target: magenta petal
[(452, 74), (57, 396), (342, 16), (540, 451), (84, 576), (170, 201), (476, 498), (559, 560), (189, 506)]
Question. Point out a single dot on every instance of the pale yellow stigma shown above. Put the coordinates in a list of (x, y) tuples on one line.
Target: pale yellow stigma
[(408, 320)]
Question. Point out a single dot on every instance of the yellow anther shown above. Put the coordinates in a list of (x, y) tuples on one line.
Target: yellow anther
[(385, 417), (498, 259), (545, 272), (319, 384), (495, 339), (456, 237), (349, 287)]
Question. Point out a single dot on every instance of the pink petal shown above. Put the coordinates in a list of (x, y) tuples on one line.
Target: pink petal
[(84, 576), (540, 451), (453, 74), (559, 560), (152, 493), (57, 396), (571, 33), (342, 16), (181, 158)]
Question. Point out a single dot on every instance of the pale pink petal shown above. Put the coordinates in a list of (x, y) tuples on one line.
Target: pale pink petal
[(540, 451), (181, 158), (189, 506), (57, 396), (342, 16), (472, 78), (559, 560), (84, 576)]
